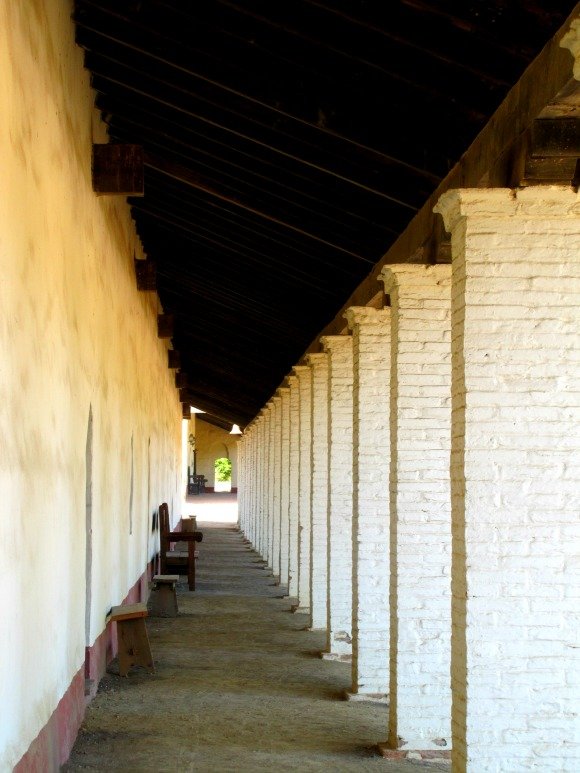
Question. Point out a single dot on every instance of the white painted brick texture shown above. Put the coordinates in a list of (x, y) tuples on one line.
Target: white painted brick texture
[(371, 334), (241, 482), (516, 478), (272, 472), (267, 477), (277, 480), (294, 487), (262, 466), (254, 484), (284, 393), (319, 535), (303, 374), (340, 378), (420, 695)]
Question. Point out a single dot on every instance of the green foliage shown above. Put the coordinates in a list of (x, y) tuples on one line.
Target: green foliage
[(223, 470)]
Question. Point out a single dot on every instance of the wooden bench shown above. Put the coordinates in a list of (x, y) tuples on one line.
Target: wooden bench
[(163, 599), (177, 559), (132, 638)]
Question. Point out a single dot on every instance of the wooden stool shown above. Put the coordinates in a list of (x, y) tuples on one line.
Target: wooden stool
[(133, 641), (163, 599)]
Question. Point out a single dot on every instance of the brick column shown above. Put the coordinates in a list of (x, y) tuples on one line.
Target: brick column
[(294, 486), (277, 484), (271, 482), (304, 376), (420, 506), (241, 488), (339, 642), (254, 486), (284, 393), (262, 461), (319, 537), (371, 338), (515, 477)]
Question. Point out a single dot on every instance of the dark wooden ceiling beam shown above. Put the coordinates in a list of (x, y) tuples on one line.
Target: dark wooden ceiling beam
[(308, 196), (245, 254), (555, 138), (281, 252), (188, 177), (180, 57), (176, 97), (544, 79)]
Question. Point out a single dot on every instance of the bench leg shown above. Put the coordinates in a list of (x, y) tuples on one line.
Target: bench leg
[(191, 564), (134, 648), (163, 601)]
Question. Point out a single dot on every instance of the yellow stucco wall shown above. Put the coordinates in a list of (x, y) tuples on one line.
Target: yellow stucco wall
[(212, 443), (75, 336)]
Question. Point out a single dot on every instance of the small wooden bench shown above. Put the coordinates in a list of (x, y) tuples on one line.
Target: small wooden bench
[(132, 638), (163, 599)]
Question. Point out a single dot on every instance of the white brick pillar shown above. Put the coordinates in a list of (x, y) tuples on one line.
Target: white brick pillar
[(339, 640), (262, 461), (253, 486), (284, 393), (303, 374), (271, 471), (371, 338), (242, 482), (515, 478), (420, 507), (249, 438), (264, 486), (277, 483), (294, 486), (319, 538)]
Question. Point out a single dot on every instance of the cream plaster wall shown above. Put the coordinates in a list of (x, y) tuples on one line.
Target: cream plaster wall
[(74, 334), (212, 443)]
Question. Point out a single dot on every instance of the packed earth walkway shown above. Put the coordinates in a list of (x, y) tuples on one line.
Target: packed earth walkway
[(238, 686)]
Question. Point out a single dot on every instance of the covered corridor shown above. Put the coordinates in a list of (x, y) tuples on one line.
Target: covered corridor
[(239, 684), (350, 231)]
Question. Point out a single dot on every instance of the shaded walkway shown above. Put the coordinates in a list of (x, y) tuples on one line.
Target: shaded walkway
[(238, 686)]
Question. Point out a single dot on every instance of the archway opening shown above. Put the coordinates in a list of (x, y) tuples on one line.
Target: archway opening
[(223, 474)]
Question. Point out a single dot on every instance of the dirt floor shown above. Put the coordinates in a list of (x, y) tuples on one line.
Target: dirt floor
[(239, 686)]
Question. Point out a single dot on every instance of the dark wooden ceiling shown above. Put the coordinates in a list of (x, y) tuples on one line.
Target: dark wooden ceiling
[(287, 144)]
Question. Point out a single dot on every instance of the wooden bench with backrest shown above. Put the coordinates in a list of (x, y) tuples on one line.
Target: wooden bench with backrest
[(177, 559)]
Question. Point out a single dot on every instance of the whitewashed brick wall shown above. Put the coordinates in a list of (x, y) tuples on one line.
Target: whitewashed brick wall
[(371, 336), (294, 487), (271, 479), (284, 393), (254, 485), (340, 378), (319, 536), (277, 480), (262, 461), (303, 374), (420, 695), (516, 478), (242, 487)]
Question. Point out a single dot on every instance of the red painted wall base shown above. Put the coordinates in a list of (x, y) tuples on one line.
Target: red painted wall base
[(52, 746)]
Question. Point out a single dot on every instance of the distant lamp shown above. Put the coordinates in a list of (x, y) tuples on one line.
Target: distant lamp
[(235, 430)]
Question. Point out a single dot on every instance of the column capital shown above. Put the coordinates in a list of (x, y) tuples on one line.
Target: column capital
[(335, 343), (571, 41), (316, 358), (282, 391), (366, 315), (413, 275), (291, 381), (300, 370), (531, 202)]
